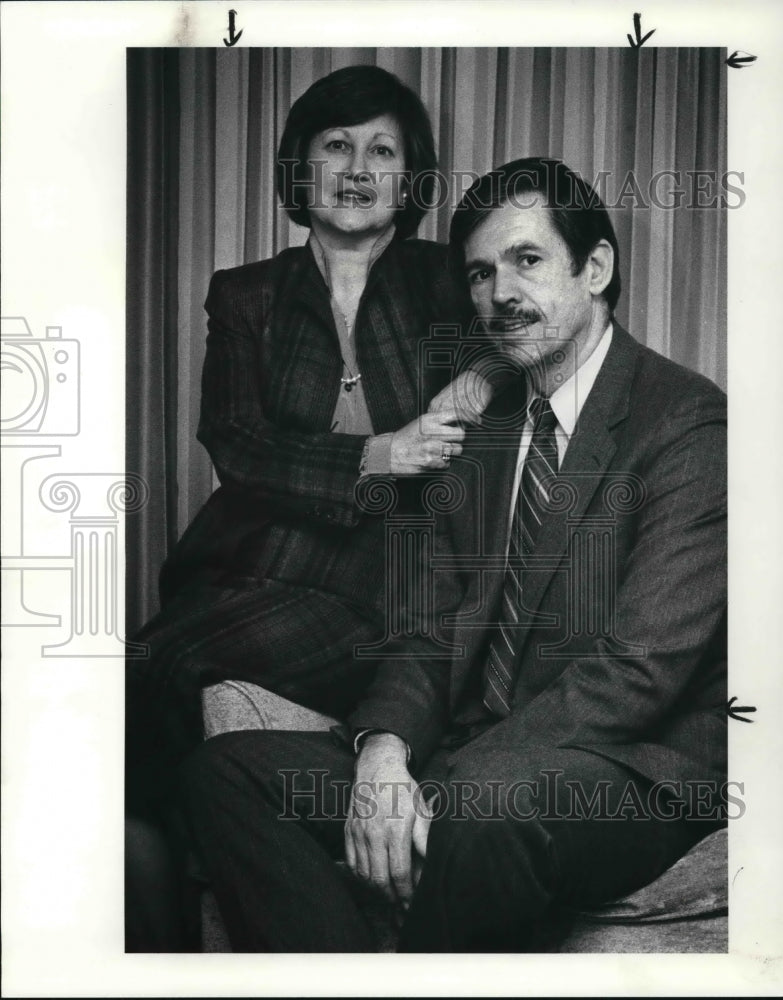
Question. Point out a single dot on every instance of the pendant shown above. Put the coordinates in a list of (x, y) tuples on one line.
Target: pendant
[(349, 383)]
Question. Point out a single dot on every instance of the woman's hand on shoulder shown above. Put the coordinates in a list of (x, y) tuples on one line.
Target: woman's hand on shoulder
[(427, 443)]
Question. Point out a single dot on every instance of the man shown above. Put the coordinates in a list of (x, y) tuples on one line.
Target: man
[(553, 761)]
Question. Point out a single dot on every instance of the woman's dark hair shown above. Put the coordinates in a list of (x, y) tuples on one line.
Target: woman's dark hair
[(352, 96), (577, 213)]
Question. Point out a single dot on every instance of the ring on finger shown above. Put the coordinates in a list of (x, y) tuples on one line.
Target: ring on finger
[(445, 453)]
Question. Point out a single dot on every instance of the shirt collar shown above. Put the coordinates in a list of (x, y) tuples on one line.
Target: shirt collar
[(567, 401)]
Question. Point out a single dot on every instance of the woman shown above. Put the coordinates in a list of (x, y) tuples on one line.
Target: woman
[(311, 382), (311, 379)]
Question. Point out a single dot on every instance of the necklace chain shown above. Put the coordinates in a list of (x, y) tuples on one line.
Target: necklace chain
[(352, 380)]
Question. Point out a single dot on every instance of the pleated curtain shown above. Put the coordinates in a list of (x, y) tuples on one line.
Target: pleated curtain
[(204, 126)]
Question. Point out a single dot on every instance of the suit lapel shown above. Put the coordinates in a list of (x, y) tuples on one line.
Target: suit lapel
[(487, 466), (498, 459), (388, 360), (308, 290), (587, 460), (305, 363)]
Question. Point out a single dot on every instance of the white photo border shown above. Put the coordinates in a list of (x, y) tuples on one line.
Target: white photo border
[(64, 197)]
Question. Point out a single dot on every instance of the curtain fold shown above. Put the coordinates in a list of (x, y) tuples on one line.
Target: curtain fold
[(151, 409), (198, 243), (204, 126)]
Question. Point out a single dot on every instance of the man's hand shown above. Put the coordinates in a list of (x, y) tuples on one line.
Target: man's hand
[(426, 443), (464, 399), (383, 828)]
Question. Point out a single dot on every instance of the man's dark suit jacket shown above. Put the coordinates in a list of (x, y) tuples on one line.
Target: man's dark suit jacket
[(286, 508), (632, 667)]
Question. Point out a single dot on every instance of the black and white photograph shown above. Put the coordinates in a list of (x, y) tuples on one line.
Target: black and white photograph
[(413, 592)]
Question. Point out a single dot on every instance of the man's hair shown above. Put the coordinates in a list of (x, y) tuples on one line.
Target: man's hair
[(576, 211), (352, 96)]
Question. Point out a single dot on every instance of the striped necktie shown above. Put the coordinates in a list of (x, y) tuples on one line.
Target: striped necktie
[(537, 474)]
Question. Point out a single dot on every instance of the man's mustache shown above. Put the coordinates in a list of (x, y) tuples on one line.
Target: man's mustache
[(514, 319)]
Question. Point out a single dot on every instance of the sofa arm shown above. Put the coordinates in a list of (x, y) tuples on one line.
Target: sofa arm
[(684, 910), (234, 705)]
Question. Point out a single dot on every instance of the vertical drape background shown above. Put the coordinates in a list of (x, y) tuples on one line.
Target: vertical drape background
[(203, 129)]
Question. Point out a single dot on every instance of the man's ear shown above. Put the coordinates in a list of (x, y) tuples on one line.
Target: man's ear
[(600, 264)]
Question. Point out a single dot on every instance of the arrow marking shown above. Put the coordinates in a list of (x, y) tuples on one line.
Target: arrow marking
[(739, 60), (734, 711), (639, 41), (231, 30)]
